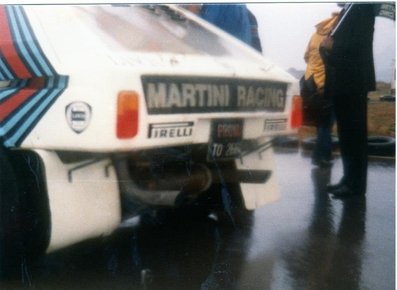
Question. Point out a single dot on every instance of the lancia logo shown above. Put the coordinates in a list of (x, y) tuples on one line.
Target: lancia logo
[(78, 116)]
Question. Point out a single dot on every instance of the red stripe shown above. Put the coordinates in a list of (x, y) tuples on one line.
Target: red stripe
[(8, 49), (11, 104)]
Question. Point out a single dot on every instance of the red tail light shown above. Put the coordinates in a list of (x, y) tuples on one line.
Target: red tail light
[(127, 114), (296, 112)]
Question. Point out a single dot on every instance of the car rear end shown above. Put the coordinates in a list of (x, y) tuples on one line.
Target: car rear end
[(133, 71), (154, 107)]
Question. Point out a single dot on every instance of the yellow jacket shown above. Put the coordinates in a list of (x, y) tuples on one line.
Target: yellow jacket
[(315, 65)]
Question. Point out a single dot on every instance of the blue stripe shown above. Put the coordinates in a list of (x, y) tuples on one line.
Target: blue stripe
[(30, 41), (14, 120), (20, 44), (17, 135), (23, 110), (49, 95), (5, 72), (12, 90), (18, 124)]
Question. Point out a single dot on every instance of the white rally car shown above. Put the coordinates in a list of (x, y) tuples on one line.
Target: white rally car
[(106, 111)]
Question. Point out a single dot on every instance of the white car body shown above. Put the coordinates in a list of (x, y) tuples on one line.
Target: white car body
[(87, 55)]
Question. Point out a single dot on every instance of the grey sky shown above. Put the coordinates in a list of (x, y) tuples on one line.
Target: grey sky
[(285, 29)]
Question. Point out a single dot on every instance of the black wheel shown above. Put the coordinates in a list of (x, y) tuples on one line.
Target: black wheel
[(381, 146), (24, 212), (11, 246)]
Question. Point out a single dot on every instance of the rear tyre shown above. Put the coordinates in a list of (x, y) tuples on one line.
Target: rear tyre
[(11, 246), (24, 212)]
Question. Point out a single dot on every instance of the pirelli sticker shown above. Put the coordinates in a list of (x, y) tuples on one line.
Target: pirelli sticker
[(275, 124), (170, 130), (175, 95)]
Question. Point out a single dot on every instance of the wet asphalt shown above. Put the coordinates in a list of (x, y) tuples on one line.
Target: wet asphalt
[(306, 240)]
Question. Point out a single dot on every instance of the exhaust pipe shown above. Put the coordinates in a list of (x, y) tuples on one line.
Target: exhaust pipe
[(143, 187), (192, 180), (162, 190)]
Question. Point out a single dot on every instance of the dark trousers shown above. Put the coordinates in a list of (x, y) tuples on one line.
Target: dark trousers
[(323, 148), (351, 117)]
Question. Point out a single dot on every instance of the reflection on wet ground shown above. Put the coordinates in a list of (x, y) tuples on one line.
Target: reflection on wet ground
[(311, 241), (307, 240)]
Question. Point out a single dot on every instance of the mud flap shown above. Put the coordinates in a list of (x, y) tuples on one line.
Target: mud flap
[(256, 195), (84, 199)]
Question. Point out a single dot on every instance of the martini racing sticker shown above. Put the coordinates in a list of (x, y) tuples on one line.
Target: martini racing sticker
[(175, 95)]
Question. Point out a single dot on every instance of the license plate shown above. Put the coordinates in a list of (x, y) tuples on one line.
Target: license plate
[(226, 139)]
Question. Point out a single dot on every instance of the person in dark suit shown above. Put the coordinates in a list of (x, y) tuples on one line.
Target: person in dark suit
[(350, 75)]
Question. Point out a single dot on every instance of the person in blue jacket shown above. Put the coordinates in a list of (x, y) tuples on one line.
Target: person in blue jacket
[(232, 18), (255, 39)]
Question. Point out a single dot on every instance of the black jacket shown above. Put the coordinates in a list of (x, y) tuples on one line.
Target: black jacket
[(351, 65)]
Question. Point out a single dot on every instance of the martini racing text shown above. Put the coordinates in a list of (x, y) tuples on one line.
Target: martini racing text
[(172, 95)]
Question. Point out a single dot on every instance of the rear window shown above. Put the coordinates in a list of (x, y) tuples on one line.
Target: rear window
[(156, 28)]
